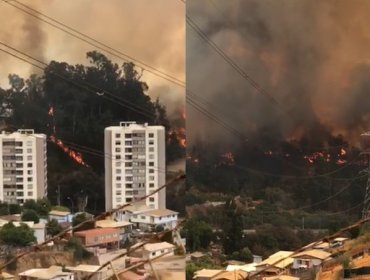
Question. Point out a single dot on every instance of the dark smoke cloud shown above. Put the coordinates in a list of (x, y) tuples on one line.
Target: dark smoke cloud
[(311, 56), (151, 31)]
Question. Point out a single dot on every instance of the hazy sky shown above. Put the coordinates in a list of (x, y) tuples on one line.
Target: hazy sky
[(151, 31), (313, 57)]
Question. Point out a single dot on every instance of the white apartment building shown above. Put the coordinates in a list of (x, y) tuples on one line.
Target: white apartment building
[(23, 172), (134, 164)]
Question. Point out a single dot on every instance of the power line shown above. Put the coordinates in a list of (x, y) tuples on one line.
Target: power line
[(85, 86), (96, 43), (98, 217), (228, 60)]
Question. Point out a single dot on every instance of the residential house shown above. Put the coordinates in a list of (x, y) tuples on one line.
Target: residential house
[(230, 275), (51, 273), (82, 271), (206, 274), (276, 264), (281, 277), (60, 216), (338, 242), (149, 220), (250, 267), (196, 256), (39, 231), (7, 276), (99, 237), (152, 250), (124, 227), (310, 259)]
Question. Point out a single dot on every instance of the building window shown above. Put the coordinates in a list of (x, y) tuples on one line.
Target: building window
[(118, 157), (128, 135), (128, 150), (151, 135), (118, 164), (29, 151), (118, 143), (118, 199), (151, 163), (151, 178), (29, 164), (151, 149), (118, 150), (29, 179), (151, 185), (118, 171), (151, 171), (128, 199), (30, 193), (129, 186), (29, 172), (151, 142), (118, 178), (128, 164), (118, 135), (29, 157), (151, 156), (151, 199), (118, 193), (118, 186)]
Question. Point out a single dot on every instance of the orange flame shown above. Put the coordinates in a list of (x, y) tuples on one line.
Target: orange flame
[(343, 152), (76, 156)]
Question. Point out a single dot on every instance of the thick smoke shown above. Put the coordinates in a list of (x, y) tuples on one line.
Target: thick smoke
[(311, 56), (151, 31)]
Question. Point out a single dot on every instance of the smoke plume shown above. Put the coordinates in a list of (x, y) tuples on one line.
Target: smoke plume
[(312, 57), (151, 31)]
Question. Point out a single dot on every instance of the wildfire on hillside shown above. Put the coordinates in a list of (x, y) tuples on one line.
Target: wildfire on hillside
[(76, 156), (179, 132)]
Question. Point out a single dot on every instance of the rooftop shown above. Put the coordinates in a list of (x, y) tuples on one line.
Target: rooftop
[(45, 273), (84, 268), (207, 273), (281, 277), (280, 259), (111, 224), (232, 275), (59, 213), (151, 247), (161, 212), (315, 253), (96, 231)]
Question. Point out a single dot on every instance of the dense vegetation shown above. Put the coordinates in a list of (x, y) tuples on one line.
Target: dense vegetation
[(72, 103)]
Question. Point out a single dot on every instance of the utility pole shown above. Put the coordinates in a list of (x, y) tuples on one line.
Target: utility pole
[(58, 197), (365, 143)]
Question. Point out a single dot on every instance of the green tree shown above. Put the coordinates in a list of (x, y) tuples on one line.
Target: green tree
[(80, 218), (232, 228), (53, 227), (15, 209), (79, 252), (30, 215), (198, 234), (41, 206), (20, 236)]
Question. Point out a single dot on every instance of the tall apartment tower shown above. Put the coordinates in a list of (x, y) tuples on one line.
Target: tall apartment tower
[(134, 164), (23, 172)]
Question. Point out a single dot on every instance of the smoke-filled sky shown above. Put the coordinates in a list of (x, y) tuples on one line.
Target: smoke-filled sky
[(313, 57), (150, 31)]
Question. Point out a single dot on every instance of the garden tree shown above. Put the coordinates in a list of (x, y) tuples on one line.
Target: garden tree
[(232, 228), (30, 215), (41, 206), (18, 236), (53, 227), (15, 209), (198, 234), (159, 228), (82, 218), (243, 255)]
